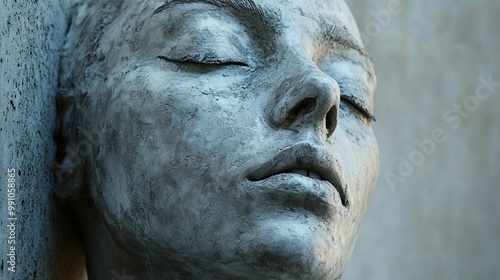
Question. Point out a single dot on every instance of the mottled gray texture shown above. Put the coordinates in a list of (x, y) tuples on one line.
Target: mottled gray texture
[(443, 221), (31, 36), (206, 141)]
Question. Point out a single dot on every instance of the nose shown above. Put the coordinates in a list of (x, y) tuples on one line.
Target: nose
[(310, 101)]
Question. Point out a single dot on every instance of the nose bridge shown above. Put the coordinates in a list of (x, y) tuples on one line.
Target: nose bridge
[(309, 98)]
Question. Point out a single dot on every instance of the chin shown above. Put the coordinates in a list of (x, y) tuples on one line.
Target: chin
[(290, 250)]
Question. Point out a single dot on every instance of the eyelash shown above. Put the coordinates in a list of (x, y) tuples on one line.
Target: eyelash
[(354, 103), (196, 61)]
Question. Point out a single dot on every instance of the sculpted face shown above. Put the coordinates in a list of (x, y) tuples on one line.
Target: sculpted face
[(237, 137)]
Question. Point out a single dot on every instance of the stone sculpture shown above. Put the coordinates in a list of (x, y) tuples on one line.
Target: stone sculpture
[(216, 139)]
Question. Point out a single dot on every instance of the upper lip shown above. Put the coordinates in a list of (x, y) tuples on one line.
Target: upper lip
[(305, 159)]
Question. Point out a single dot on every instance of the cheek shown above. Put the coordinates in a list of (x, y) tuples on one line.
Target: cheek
[(162, 148), (357, 151), (130, 152)]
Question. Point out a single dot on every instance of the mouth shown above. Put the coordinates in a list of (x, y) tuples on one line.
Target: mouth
[(306, 160), (307, 173)]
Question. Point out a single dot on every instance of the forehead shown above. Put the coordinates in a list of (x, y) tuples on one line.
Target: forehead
[(292, 14), (310, 23)]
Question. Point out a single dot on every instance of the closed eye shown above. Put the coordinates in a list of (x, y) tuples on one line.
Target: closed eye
[(202, 62), (355, 106)]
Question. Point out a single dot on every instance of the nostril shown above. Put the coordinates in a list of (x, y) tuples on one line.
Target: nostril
[(304, 107), (331, 121)]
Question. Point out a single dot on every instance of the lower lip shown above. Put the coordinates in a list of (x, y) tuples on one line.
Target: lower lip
[(296, 191)]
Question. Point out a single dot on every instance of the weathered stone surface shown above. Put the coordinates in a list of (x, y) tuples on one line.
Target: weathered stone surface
[(31, 36)]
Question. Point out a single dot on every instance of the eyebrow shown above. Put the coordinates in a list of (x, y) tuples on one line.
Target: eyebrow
[(339, 35), (250, 8)]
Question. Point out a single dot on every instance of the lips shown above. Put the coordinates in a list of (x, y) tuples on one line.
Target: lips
[(304, 159)]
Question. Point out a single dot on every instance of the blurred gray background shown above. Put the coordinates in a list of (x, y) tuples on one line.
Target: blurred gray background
[(435, 213)]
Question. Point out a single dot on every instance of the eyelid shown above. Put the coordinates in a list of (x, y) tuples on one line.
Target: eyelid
[(352, 100), (202, 59)]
